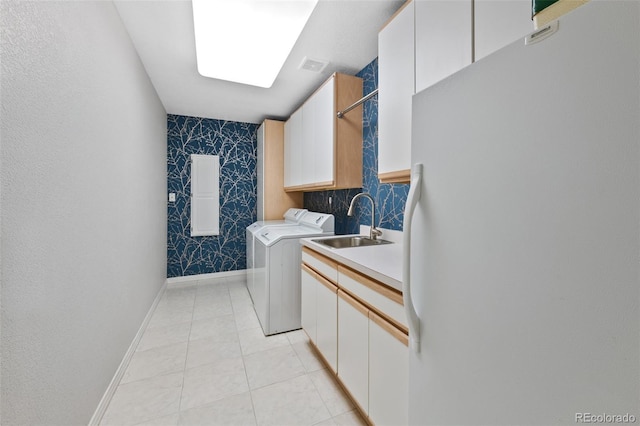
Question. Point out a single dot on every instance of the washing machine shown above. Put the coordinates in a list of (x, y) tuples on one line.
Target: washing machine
[(276, 275), (291, 217)]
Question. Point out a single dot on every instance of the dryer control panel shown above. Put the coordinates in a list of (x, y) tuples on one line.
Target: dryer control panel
[(322, 221)]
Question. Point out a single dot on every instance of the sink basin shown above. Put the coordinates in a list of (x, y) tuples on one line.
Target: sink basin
[(348, 242)]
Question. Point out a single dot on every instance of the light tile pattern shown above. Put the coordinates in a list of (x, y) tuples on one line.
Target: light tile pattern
[(203, 360)]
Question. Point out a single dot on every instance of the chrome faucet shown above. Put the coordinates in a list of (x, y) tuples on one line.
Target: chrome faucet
[(373, 232)]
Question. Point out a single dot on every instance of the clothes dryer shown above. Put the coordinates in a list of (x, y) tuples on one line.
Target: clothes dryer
[(276, 280), (291, 217)]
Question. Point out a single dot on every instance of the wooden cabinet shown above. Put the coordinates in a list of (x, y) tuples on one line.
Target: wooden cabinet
[(353, 348), (272, 201), (396, 85), (443, 39), (362, 338), (323, 151), (498, 23), (388, 373)]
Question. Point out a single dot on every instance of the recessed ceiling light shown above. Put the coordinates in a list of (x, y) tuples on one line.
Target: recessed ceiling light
[(247, 41)]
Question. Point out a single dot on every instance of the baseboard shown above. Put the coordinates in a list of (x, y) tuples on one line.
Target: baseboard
[(115, 381), (191, 278)]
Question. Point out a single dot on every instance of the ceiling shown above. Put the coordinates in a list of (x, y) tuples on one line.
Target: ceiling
[(343, 32)]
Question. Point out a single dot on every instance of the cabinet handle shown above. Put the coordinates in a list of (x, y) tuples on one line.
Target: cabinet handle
[(308, 270), (320, 257), (328, 284), (353, 302), (412, 201), (389, 328)]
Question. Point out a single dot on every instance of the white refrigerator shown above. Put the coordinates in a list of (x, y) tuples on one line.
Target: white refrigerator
[(522, 232)]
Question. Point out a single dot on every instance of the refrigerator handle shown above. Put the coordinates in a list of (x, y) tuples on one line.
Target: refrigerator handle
[(412, 201)]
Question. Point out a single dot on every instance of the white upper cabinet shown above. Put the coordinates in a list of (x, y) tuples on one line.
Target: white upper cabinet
[(499, 23), (443, 39), (323, 151), (396, 85), (423, 43), (318, 164), (308, 141), (293, 149)]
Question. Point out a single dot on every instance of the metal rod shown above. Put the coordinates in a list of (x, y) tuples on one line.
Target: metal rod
[(357, 103)]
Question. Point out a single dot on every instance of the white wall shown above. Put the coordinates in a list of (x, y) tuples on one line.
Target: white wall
[(83, 186)]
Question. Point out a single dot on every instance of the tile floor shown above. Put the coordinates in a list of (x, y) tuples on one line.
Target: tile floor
[(204, 360)]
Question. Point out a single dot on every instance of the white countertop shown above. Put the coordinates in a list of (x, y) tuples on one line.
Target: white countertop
[(382, 263)]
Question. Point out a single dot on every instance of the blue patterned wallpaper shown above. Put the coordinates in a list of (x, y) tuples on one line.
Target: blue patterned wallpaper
[(340, 199), (390, 198), (235, 143)]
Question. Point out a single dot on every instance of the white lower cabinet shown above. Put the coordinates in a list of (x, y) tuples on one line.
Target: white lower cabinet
[(352, 321), (388, 373), (327, 326), (319, 313), (308, 293), (353, 348)]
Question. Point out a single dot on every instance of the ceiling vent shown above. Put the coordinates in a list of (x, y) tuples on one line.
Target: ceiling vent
[(314, 65)]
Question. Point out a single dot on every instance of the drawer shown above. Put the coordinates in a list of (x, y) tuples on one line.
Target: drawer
[(386, 301), (321, 264)]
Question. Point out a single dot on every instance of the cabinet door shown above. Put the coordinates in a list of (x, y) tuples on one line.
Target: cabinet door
[(293, 150), (327, 321), (498, 23), (443, 39), (353, 348), (322, 158), (273, 202), (288, 152), (307, 141), (388, 373), (396, 85), (308, 302)]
